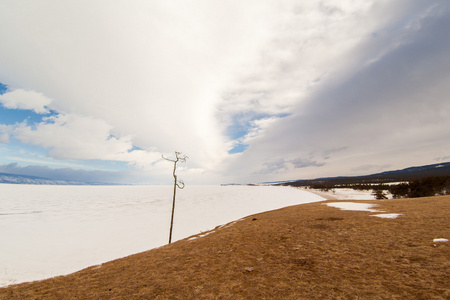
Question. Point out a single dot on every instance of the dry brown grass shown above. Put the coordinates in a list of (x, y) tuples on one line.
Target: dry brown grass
[(309, 251)]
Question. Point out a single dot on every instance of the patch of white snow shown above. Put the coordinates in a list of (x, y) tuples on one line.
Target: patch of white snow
[(386, 216), (440, 240), (353, 206)]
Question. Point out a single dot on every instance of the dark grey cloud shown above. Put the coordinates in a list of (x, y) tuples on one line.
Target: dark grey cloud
[(391, 89), (303, 163), (283, 165), (329, 152), (272, 167), (389, 108), (443, 158), (396, 89)]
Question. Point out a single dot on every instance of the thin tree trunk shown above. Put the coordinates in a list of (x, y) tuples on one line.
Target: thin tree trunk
[(176, 184), (173, 206)]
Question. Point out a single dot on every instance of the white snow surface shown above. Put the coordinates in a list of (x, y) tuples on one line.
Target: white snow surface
[(350, 194), (353, 206), (440, 240), (362, 207), (48, 230), (386, 216)]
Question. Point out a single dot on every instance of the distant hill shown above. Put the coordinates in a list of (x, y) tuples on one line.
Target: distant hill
[(25, 179), (442, 169)]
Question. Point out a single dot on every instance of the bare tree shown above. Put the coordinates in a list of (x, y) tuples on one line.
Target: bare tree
[(177, 184)]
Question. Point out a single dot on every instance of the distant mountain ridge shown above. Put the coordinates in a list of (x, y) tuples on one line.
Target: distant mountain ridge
[(419, 172), (26, 179)]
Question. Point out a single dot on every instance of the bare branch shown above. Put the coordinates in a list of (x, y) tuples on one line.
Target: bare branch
[(167, 158), (178, 157), (180, 184)]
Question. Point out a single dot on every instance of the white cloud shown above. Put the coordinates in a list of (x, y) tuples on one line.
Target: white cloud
[(73, 136), (23, 99), (78, 137), (4, 134), (257, 127), (4, 138), (152, 70)]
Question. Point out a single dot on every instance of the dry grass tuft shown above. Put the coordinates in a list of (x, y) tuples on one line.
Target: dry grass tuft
[(309, 251)]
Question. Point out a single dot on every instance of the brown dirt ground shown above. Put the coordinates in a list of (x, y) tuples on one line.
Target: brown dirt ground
[(308, 251)]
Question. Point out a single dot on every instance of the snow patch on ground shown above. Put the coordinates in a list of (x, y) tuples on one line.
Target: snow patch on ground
[(386, 216), (440, 240), (353, 206), (362, 207)]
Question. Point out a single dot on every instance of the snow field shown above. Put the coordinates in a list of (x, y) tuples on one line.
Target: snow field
[(48, 230)]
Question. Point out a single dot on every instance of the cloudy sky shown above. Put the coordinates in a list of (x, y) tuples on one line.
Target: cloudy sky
[(251, 91)]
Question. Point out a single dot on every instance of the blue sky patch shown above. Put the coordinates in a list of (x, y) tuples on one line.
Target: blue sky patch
[(134, 148), (239, 148), (3, 88), (13, 116), (242, 125)]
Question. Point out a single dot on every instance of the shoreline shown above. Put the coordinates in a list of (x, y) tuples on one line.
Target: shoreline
[(78, 227), (324, 195)]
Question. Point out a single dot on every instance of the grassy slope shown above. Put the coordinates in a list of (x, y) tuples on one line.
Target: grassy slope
[(309, 251)]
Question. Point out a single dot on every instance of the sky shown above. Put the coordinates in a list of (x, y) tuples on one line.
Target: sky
[(250, 91)]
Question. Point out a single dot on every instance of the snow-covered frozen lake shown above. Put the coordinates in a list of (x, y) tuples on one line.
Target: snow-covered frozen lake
[(51, 230)]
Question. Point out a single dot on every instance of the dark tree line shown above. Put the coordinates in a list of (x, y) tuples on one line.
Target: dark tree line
[(425, 187)]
